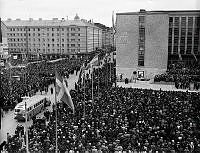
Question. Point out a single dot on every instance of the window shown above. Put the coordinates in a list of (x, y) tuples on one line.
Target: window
[(72, 34), (38, 34), (79, 34), (72, 45), (62, 45), (141, 19), (72, 39), (72, 29), (57, 45), (140, 62), (190, 22), (57, 34), (57, 29), (53, 40), (52, 34), (176, 21), (52, 29), (62, 29), (62, 40)]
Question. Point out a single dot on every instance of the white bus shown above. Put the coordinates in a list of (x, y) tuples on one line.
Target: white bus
[(34, 105)]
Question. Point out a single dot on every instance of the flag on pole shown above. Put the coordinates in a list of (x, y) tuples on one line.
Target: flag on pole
[(63, 92), (113, 23), (93, 62)]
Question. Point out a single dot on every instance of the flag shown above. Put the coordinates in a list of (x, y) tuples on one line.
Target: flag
[(93, 62), (113, 23), (63, 92)]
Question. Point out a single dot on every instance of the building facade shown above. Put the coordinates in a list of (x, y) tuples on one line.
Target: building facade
[(147, 41), (107, 35), (46, 37), (3, 44)]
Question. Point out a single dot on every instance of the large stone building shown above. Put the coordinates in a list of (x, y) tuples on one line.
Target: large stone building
[(3, 44), (107, 35), (147, 41), (51, 37)]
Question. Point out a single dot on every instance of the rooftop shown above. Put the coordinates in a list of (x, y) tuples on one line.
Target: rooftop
[(47, 23), (170, 12)]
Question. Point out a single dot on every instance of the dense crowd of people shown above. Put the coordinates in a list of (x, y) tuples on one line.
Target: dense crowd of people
[(117, 119), (182, 75), (26, 81)]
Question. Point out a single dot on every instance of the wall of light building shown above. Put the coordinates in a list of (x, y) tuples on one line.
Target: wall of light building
[(54, 39), (156, 45)]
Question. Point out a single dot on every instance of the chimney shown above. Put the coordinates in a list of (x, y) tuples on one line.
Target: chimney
[(40, 19), (18, 19), (30, 19), (142, 10), (54, 19), (9, 19)]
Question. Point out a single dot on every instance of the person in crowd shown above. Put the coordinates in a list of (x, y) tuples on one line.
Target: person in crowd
[(119, 120)]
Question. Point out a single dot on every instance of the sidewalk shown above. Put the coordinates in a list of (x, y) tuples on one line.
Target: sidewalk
[(148, 85)]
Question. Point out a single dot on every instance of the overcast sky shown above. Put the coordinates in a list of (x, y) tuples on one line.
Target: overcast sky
[(98, 10)]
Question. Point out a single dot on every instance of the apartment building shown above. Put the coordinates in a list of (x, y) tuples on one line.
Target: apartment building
[(52, 37), (107, 35), (3, 44)]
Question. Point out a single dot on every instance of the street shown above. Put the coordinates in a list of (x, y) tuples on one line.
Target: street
[(9, 124)]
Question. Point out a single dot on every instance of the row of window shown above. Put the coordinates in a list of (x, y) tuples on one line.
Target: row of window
[(175, 21), (34, 39), (48, 50), (141, 50), (40, 29), (43, 34), (48, 45)]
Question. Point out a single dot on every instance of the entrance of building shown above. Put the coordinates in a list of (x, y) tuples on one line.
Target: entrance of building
[(140, 74)]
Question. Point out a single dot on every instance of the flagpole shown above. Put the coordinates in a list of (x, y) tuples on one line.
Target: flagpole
[(110, 70), (98, 83), (92, 85), (56, 115), (26, 129), (84, 93)]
